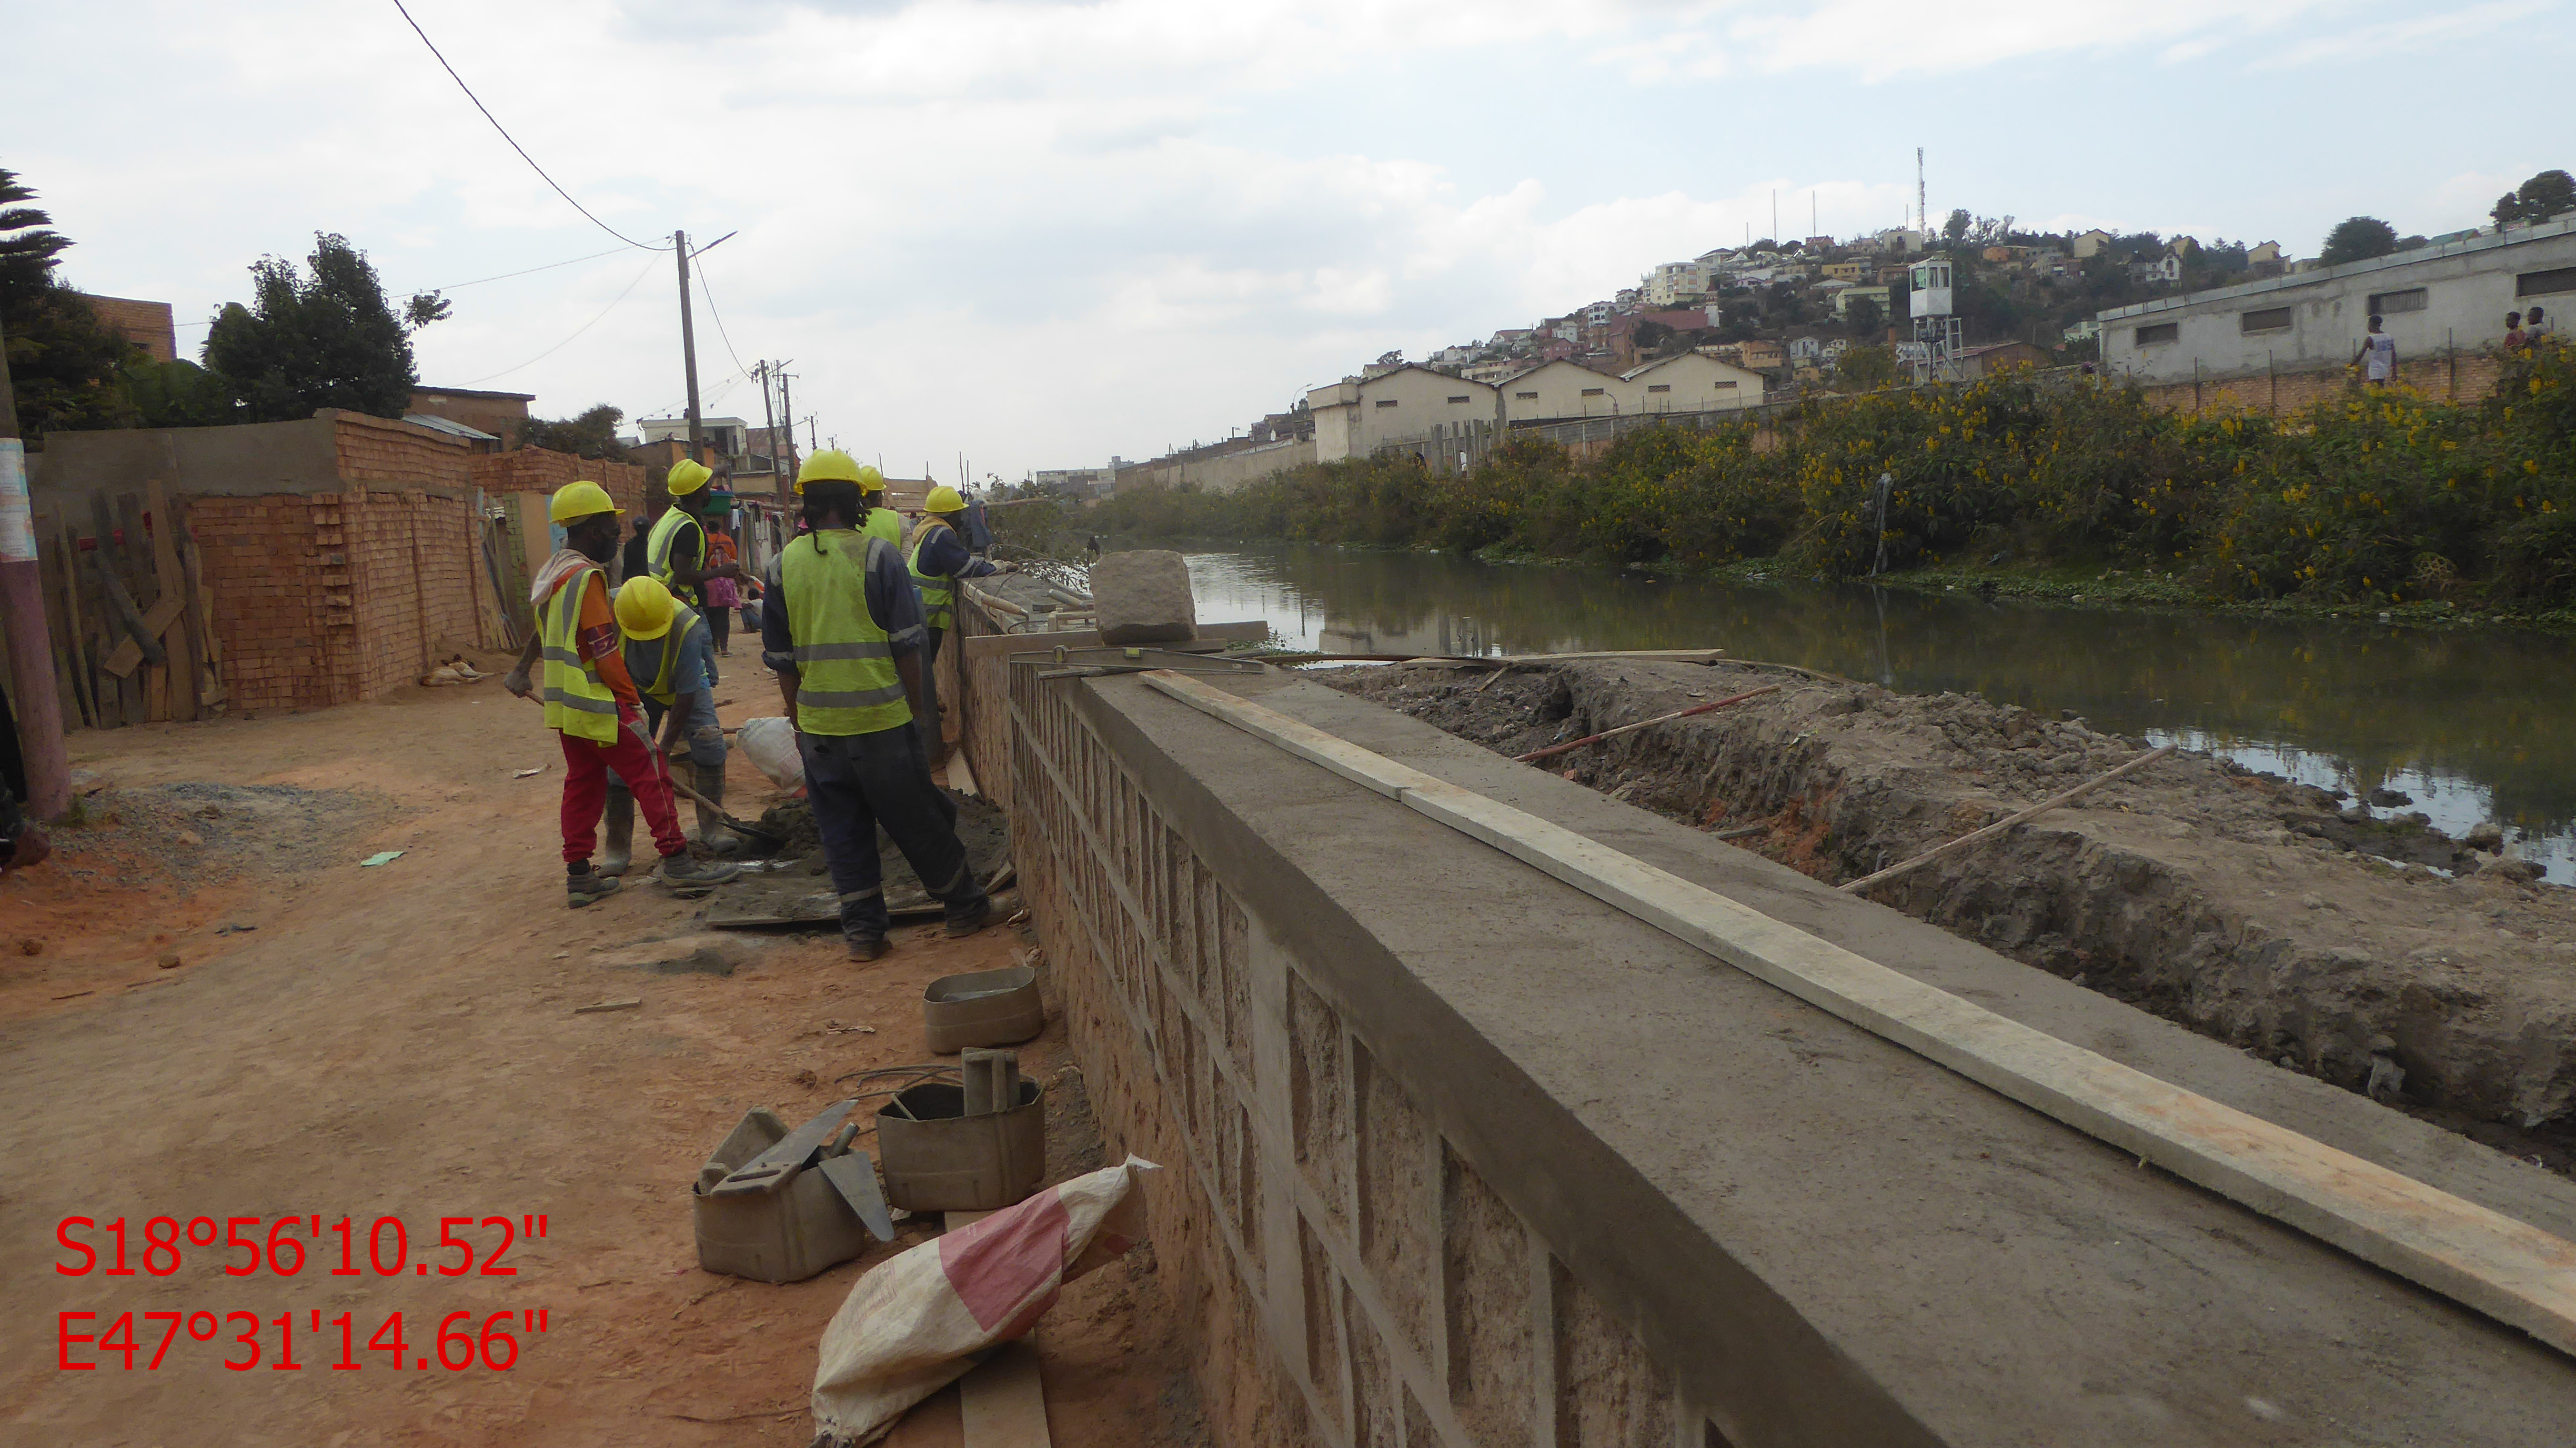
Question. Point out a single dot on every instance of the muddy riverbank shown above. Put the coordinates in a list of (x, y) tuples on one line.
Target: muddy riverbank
[(2332, 939)]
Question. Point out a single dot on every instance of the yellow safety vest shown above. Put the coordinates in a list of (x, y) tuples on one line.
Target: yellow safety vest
[(938, 594), (657, 551), (846, 679), (884, 523), (675, 643), (578, 702)]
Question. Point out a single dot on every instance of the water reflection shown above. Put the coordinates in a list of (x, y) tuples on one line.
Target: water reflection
[(2470, 724)]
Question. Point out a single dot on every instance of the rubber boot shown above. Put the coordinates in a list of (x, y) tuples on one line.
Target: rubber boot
[(618, 820), (582, 885), (710, 784)]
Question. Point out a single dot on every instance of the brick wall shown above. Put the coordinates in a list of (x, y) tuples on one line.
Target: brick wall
[(2460, 377), (146, 324), (381, 450), (266, 579), (537, 470)]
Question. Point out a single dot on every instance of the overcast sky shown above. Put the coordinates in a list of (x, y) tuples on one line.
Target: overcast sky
[(1041, 233)]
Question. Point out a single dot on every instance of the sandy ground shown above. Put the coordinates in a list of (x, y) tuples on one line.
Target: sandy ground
[(2326, 936), (400, 1041)]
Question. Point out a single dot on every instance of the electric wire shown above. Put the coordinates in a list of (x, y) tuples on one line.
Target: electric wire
[(701, 274), (568, 341), (549, 266), (506, 136)]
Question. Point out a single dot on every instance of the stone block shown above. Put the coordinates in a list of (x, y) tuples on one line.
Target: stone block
[(1485, 1292), (1143, 597), (1399, 1200)]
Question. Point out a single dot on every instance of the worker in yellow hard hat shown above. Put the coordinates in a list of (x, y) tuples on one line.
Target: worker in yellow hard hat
[(832, 465), (938, 558), (591, 701), (669, 653), (675, 550), (842, 626)]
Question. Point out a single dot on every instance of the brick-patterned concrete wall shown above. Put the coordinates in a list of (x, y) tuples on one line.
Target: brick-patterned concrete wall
[(538, 470), (1356, 1283), (2459, 377)]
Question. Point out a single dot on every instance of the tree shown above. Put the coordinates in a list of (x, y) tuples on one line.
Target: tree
[(179, 393), (2358, 238), (1866, 366), (593, 434), (1649, 335), (2538, 199), (1864, 316), (63, 360), (328, 340), (1956, 228)]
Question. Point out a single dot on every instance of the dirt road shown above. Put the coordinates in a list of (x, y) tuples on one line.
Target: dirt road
[(400, 1041)]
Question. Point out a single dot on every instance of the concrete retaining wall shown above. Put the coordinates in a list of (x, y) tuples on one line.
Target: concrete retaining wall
[(1460, 1156)]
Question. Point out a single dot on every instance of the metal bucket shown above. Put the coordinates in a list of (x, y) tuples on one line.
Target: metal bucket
[(938, 1159), (982, 1008)]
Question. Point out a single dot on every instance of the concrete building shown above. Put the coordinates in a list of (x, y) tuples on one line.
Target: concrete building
[(1760, 355), (1355, 416), (1803, 350), (2166, 268), (2455, 295), (1843, 299), (1082, 482), (1692, 382), (1851, 269), (728, 437), (2091, 243), (502, 414), (1558, 390), (147, 325), (1676, 282)]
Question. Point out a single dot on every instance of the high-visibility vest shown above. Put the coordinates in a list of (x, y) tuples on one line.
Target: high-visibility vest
[(684, 621), (884, 523), (938, 593), (657, 551), (578, 701), (846, 680)]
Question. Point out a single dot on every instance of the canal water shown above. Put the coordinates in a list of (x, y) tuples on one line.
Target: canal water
[(2472, 725)]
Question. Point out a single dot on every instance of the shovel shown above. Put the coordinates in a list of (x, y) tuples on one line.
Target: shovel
[(773, 838)]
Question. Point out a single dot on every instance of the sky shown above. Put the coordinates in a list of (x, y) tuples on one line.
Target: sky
[(1030, 235)]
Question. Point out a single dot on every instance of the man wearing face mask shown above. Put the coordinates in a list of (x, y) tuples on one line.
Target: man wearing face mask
[(592, 704)]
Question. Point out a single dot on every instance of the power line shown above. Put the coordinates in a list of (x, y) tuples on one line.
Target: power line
[(568, 341), (549, 266), (719, 316), (506, 136)]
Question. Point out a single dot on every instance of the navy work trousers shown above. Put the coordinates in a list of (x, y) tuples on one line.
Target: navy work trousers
[(857, 782)]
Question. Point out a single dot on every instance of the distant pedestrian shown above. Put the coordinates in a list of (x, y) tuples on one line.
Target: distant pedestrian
[(2378, 355), (2514, 336), (723, 594), (630, 562), (978, 531), (2533, 327)]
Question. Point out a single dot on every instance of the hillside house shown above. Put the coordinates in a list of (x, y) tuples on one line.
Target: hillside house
[(1355, 417), (1843, 299), (1851, 269), (1761, 355), (1557, 390), (1692, 382), (2091, 243)]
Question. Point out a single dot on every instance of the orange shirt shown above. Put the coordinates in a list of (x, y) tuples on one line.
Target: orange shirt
[(598, 641)]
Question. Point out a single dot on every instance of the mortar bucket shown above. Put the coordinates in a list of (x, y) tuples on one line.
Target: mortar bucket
[(942, 1160), (982, 1008)]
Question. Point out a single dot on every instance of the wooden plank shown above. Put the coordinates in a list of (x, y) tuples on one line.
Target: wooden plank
[(121, 609), (67, 578), (1948, 847), (134, 564), (1002, 1401), (2482, 1259), (187, 651), (201, 623)]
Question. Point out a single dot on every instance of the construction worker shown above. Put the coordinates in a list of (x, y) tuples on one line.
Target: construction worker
[(591, 701), (676, 550), (667, 654), (832, 465), (938, 558), (841, 624)]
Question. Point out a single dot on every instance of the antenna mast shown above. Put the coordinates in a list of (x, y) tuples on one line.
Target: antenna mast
[(1922, 216)]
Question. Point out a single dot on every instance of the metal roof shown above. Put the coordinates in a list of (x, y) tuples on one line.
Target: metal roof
[(449, 426)]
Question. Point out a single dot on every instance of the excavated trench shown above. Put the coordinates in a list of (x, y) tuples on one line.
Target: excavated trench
[(2351, 945)]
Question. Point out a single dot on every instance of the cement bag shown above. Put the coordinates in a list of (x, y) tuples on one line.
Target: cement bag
[(771, 743), (914, 1323)]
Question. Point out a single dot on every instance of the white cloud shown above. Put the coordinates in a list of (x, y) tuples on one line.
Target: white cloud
[(2396, 37)]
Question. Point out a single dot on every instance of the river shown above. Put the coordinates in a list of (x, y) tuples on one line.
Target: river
[(2472, 725)]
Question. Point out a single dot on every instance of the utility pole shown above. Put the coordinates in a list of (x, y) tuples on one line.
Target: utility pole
[(1922, 216), (22, 605), (778, 479), (787, 409), (688, 345), (809, 433)]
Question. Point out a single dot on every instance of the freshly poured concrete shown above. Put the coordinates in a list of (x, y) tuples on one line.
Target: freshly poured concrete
[(1826, 1238)]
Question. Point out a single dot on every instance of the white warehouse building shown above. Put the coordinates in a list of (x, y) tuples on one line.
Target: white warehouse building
[(2452, 295)]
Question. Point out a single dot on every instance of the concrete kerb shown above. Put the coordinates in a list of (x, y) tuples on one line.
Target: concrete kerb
[(1774, 1256)]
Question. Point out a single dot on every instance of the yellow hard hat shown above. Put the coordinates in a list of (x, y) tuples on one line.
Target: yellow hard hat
[(686, 476), (644, 607), (943, 499), (831, 465), (579, 500), (870, 480)]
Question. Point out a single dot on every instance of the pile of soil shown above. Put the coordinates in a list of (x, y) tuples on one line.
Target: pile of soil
[(2243, 905), (194, 832), (981, 826)]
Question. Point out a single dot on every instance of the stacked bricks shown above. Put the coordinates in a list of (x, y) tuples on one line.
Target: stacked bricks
[(2456, 377), (266, 580), (537, 470), (1351, 1280)]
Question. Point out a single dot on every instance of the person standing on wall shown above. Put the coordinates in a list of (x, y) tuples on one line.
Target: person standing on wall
[(591, 701), (666, 653), (2378, 356), (939, 557), (841, 625), (977, 528)]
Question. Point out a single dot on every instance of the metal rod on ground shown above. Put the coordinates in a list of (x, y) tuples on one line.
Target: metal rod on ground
[(1643, 723), (2007, 822), (32, 693)]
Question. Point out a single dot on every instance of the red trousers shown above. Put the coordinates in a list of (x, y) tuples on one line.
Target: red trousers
[(585, 791)]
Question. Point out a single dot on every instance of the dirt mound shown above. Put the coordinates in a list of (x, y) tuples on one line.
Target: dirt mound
[(981, 827), (2245, 906), (192, 831)]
